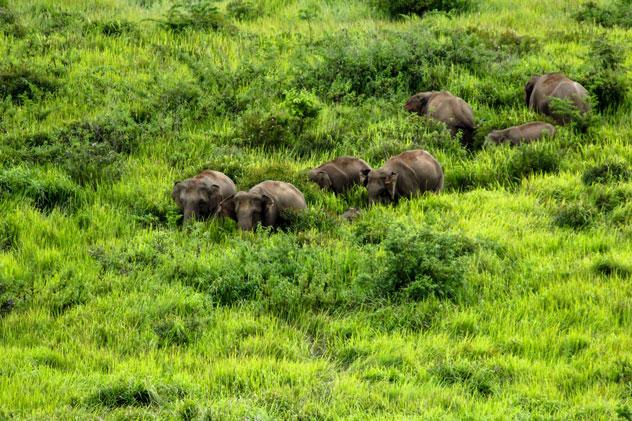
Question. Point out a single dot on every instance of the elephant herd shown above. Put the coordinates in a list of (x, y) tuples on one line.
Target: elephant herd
[(212, 193)]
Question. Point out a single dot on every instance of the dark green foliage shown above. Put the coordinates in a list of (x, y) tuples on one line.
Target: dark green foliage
[(116, 28), (132, 393), (606, 78), (612, 267), (478, 380), (566, 112), (576, 216), (9, 235), (20, 83), (422, 263), (89, 151), (616, 13), (183, 95), (47, 190), (243, 10), (609, 172), (9, 23), (175, 330), (533, 159), (310, 218), (193, 14), (389, 63), (395, 8)]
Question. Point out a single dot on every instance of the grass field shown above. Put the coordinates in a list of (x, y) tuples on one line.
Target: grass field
[(507, 296)]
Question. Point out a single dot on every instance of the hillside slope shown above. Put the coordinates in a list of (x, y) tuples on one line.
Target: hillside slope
[(508, 295)]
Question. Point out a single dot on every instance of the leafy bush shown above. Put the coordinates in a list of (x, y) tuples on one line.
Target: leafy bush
[(388, 63), (575, 216), (617, 13), (395, 8), (606, 78), (567, 113), (47, 189), (609, 172), (19, 83), (243, 10), (422, 263), (193, 14), (533, 159)]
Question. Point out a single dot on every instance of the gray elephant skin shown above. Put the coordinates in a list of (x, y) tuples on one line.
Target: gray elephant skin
[(340, 174), (447, 108), (407, 174), (262, 204), (524, 133), (201, 195), (540, 89)]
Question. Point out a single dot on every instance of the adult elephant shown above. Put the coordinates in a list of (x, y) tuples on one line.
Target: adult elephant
[(541, 89), (201, 195), (447, 108)]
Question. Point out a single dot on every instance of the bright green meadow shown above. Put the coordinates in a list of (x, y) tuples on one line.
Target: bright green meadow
[(506, 296)]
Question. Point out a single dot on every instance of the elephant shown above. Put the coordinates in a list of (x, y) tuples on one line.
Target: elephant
[(447, 108), (339, 174), (524, 133), (540, 89), (407, 174), (262, 204), (201, 195)]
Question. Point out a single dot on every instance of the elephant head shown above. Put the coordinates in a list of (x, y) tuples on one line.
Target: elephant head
[(381, 185), (321, 178), (418, 103), (250, 209), (196, 199), (528, 89)]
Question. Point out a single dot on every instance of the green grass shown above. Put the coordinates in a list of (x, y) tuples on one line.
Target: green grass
[(506, 296)]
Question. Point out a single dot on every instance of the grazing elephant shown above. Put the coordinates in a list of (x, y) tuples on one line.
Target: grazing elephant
[(339, 174), (201, 195), (407, 174), (443, 106), (524, 133), (262, 204), (540, 89)]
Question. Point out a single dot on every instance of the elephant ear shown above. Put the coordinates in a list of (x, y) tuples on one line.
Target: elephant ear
[(227, 207), (178, 186), (324, 180), (364, 176), (390, 181), (528, 89), (269, 210)]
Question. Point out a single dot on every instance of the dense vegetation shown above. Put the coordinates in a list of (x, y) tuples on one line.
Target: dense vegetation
[(506, 296)]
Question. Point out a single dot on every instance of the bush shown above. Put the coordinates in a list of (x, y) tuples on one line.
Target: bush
[(606, 78), (193, 14), (609, 172), (617, 13), (47, 189), (243, 10), (395, 8), (421, 263), (19, 83), (533, 159), (575, 216), (566, 112)]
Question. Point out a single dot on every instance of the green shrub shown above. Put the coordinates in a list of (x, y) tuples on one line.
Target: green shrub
[(395, 8), (616, 13), (533, 159), (9, 23), (606, 78), (47, 189), (606, 173), (243, 10), (193, 14), (19, 83), (567, 113), (421, 263), (575, 216)]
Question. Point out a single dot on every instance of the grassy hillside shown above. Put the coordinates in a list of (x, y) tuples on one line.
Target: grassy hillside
[(508, 295)]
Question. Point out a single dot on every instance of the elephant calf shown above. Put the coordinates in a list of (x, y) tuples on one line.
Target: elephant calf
[(524, 133), (262, 204), (407, 174), (339, 174), (201, 195), (540, 89), (443, 106)]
